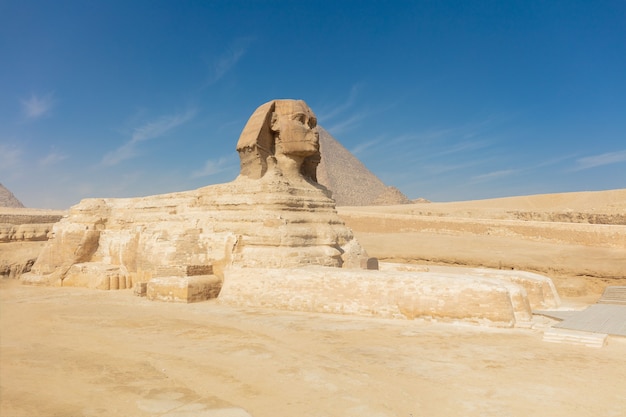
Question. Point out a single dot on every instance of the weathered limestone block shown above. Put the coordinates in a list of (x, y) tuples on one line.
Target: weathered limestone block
[(184, 270), (184, 289), (32, 232), (140, 289), (391, 266), (23, 233), (383, 294), (369, 263), (15, 270), (17, 216), (98, 276), (541, 291)]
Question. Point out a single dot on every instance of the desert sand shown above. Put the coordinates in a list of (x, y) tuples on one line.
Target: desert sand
[(81, 352), (577, 239)]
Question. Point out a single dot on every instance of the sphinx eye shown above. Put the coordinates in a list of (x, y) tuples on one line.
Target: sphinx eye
[(299, 117)]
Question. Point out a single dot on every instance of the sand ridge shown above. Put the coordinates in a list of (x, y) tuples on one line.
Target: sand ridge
[(579, 206)]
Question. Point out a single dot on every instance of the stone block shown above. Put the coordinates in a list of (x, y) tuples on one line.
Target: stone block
[(575, 337), (183, 289), (384, 294), (140, 289), (369, 263), (97, 275), (183, 270), (540, 289), (194, 270)]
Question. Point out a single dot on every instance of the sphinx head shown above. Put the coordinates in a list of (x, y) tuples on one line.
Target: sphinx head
[(284, 131)]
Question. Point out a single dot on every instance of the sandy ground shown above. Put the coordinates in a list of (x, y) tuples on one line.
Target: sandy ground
[(78, 352), (575, 269), (551, 234), (609, 202)]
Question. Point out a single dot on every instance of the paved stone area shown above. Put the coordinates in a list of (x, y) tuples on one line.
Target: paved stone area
[(614, 295), (606, 317), (598, 318)]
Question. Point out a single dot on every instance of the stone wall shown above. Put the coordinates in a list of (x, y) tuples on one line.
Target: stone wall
[(613, 236), (390, 294), (23, 233)]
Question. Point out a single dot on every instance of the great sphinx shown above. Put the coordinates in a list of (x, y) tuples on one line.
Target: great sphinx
[(274, 214), (270, 238)]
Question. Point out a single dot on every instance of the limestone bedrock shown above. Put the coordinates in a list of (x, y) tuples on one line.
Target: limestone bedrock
[(383, 294), (272, 237)]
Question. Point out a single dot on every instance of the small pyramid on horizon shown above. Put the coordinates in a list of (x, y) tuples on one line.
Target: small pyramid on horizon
[(7, 199), (351, 183)]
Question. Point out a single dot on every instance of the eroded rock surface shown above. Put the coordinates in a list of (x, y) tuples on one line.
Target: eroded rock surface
[(384, 294), (23, 233)]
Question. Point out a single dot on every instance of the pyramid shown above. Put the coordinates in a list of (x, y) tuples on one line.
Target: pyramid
[(7, 199), (351, 183)]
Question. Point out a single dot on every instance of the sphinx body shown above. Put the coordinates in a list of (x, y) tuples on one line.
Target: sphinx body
[(248, 223)]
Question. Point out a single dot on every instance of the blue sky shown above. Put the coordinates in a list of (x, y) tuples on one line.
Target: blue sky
[(447, 100)]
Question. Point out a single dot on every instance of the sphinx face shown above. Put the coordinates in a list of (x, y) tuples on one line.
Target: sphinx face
[(295, 126)]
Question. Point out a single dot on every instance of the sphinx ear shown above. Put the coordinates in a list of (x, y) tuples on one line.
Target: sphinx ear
[(274, 124)]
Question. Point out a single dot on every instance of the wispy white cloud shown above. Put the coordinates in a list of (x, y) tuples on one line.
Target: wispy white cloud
[(126, 151), (52, 158), (37, 106), (214, 166), (346, 117), (494, 175), (362, 147), (224, 63), (442, 141), (432, 135), (328, 114), (600, 160), (465, 146), (346, 124), (150, 130), (553, 161), (443, 168), (10, 157)]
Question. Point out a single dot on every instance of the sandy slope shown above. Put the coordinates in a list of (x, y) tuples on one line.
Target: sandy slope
[(609, 202), (554, 234)]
